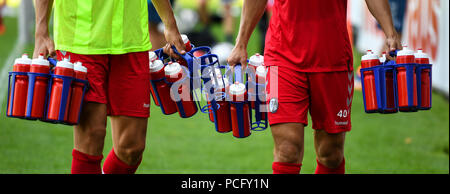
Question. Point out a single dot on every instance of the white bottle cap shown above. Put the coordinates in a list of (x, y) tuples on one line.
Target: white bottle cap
[(261, 71), (78, 66), (156, 66), (237, 88), (369, 56), (40, 61), (256, 60), (65, 63), (420, 54), (383, 58), (23, 60), (405, 52), (152, 56), (185, 38), (172, 68)]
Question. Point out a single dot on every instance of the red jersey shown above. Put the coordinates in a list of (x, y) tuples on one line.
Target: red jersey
[(309, 36)]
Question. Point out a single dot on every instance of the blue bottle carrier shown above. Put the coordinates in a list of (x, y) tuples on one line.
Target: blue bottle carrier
[(199, 71), (67, 81), (381, 72)]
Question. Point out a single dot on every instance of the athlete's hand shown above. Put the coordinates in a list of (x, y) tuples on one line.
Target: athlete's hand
[(173, 37), (392, 43), (45, 45), (238, 55)]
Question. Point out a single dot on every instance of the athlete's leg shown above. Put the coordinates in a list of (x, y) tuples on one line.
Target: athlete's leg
[(288, 98), (288, 142), (331, 99), (129, 109), (129, 134), (329, 148), (90, 132)]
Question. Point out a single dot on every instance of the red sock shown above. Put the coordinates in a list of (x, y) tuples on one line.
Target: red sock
[(86, 164), (286, 168), (113, 165), (321, 169)]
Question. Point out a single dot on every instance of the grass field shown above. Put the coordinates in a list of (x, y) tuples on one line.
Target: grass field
[(395, 143)]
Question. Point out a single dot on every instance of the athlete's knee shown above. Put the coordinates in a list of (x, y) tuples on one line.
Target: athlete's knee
[(331, 158), (289, 152), (130, 153)]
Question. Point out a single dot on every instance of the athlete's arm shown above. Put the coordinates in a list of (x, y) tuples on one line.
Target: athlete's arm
[(171, 32), (43, 43), (380, 9), (252, 11)]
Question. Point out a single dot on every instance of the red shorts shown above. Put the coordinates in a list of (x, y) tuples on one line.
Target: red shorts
[(328, 97), (122, 82)]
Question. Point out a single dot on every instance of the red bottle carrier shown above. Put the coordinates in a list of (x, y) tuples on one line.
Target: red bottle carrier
[(161, 88), (423, 80), (18, 87), (176, 76), (406, 80), (48, 91), (378, 85)]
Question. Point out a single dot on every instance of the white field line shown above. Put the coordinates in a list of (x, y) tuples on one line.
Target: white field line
[(7, 65)]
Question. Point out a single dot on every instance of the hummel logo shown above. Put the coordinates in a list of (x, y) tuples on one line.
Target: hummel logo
[(146, 105)]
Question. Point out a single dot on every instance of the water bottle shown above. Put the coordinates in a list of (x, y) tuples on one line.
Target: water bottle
[(39, 65), (77, 92), (19, 100), (186, 106), (367, 61), (63, 68), (425, 79), (223, 113), (161, 89), (406, 56), (240, 113), (152, 90)]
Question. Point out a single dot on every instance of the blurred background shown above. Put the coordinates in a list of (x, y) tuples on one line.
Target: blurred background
[(395, 143)]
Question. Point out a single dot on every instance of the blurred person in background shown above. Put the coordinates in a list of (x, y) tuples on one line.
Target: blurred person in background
[(2, 25), (111, 39), (227, 18), (156, 36)]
